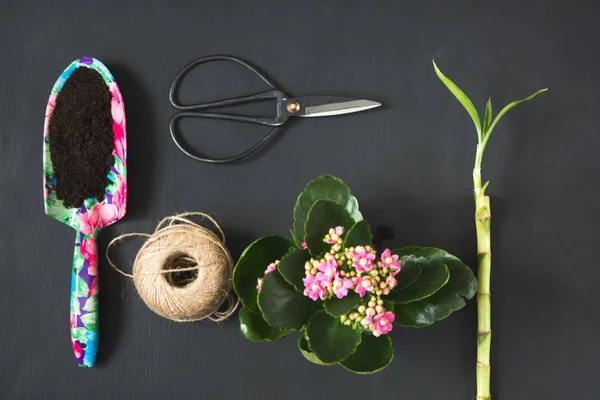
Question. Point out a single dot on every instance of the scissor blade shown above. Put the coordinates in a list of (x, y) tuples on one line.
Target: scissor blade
[(324, 106)]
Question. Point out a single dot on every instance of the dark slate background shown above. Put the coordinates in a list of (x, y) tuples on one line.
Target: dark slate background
[(409, 163)]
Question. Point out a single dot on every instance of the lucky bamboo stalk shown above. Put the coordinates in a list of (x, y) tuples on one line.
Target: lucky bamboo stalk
[(483, 216)]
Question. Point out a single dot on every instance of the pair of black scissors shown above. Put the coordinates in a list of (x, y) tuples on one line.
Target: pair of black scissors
[(307, 106)]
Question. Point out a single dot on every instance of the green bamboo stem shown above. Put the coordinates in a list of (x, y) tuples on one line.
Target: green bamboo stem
[(483, 216), (484, 260)]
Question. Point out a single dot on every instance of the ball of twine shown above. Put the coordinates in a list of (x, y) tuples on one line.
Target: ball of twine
[(183, 271)]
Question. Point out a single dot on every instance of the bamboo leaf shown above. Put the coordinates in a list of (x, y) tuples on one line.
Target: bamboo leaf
[(507, 109), (487, 118), (484, 187), (461, 97)]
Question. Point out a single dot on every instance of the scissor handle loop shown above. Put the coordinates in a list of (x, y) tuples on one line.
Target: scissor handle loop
[(197, 157), (218, 103)]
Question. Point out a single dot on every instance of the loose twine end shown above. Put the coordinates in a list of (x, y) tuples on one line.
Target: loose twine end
[(179, 245)]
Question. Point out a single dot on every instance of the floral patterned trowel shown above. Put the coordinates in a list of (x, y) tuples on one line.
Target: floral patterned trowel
[(88, 219)]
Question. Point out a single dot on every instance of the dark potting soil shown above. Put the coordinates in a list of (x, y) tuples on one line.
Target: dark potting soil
[(81, 138)]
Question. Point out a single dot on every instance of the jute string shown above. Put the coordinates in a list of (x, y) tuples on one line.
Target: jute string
[(179, 245)]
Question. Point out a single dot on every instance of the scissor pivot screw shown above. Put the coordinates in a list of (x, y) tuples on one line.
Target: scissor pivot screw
[(293, 106)]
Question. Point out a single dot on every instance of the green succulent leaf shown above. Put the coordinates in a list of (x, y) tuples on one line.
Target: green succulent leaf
[(252, 264), (507, 109), (281, 305), (372, 355), (452, 297), (296, 240), (329, 339), (408, 274), (461, 97), (324, 215), (255, 328), (325, 187), (291, 267), (359, 235), (434, 275), (308, 354), (389, 306), (338, 307)]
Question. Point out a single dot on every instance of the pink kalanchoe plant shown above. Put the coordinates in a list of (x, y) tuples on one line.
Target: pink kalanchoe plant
[(332, 286)]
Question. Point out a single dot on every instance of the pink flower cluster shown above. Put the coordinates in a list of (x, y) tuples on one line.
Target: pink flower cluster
[(270, 268), (323, 280), (354, 269), (373, 317)]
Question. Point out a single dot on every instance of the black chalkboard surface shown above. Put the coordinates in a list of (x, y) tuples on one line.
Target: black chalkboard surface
[(409, 162)]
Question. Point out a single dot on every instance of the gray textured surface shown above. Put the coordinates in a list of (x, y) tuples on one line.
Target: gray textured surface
[(409, 163)]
